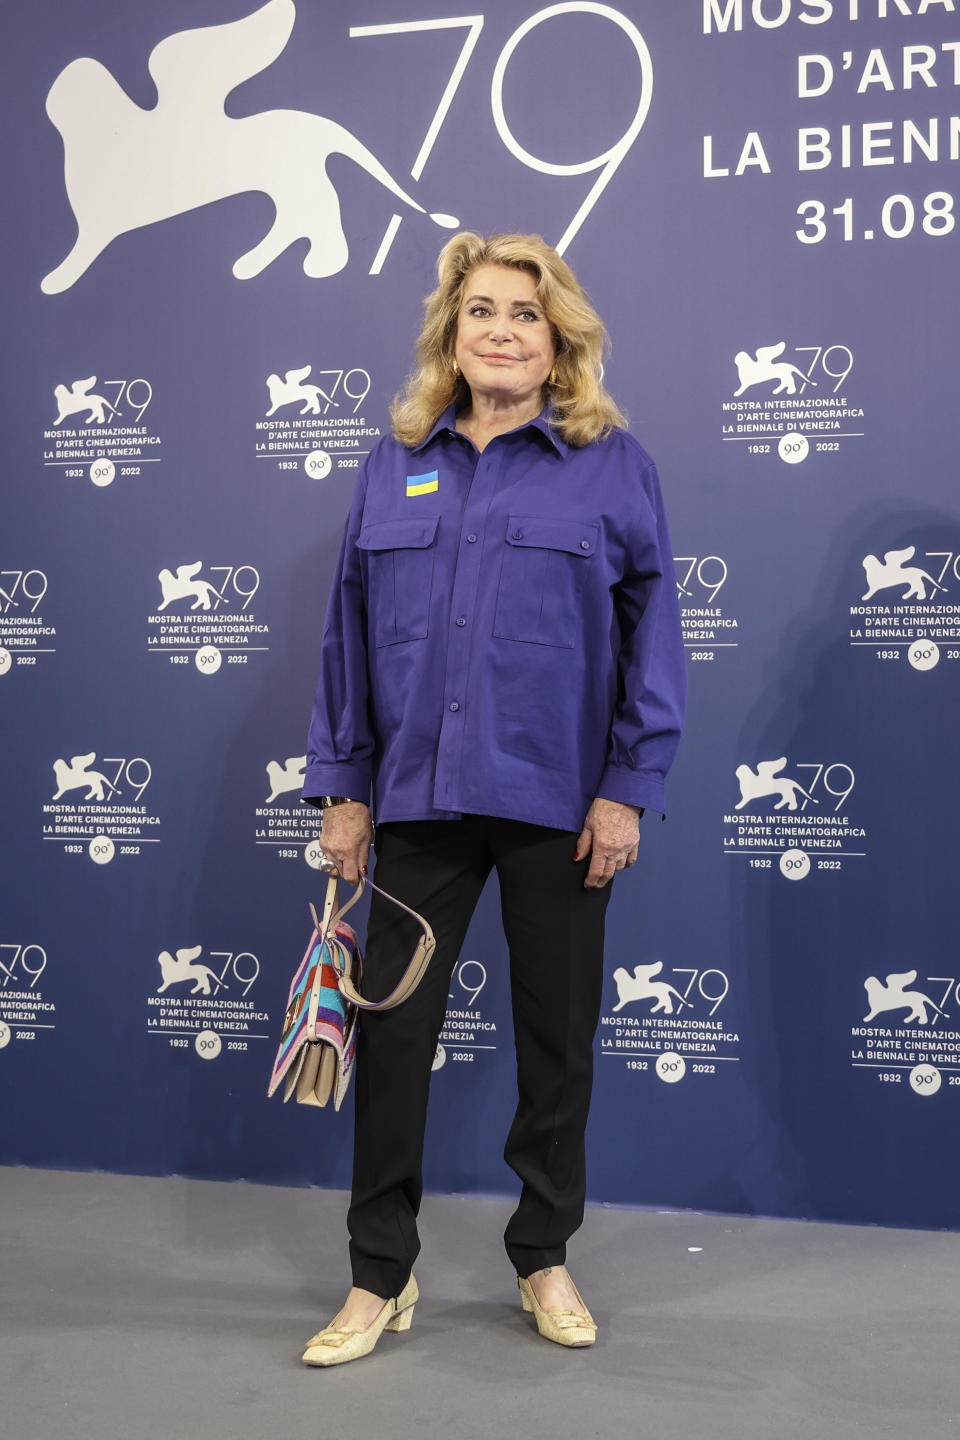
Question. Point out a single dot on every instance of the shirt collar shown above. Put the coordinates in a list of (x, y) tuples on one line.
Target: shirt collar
[(448, 422)]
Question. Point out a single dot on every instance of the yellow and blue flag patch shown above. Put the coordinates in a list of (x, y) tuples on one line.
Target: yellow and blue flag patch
[(423, 484)]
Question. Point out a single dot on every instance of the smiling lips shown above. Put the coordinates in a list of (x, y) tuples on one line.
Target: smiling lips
[(498, 355)]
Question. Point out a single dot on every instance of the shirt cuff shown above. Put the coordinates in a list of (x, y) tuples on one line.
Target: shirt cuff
[(643, 788), (346, 779)]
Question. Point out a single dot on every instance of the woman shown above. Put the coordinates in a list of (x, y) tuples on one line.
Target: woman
[(502, 666)]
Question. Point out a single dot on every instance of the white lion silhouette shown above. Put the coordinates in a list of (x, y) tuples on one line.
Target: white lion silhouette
[(76, 775), (895, 996), (641, 986), (177, 971), (756, 371), (290, 391), (288, 776), (77, 399), (185, 586), (126, 167), (892, 572), (756, 785)]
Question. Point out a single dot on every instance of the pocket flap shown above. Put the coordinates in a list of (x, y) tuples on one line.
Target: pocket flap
[(576, 537), (413, 533)]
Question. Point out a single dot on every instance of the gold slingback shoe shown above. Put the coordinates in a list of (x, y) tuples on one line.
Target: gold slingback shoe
[(574, 1328), (337, 1347)]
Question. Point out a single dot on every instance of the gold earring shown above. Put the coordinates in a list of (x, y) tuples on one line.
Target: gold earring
[(456, 367), (553, 376)]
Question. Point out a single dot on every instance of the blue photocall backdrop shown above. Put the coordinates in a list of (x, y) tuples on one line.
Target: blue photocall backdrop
[(221, 224)]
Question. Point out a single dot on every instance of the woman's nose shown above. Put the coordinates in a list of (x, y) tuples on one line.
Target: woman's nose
[(501, 327)]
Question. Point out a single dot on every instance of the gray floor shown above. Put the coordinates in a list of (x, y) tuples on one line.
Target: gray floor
[(171, 1308)]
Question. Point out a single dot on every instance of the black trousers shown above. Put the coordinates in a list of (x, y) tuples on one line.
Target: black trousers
[(554, 929)]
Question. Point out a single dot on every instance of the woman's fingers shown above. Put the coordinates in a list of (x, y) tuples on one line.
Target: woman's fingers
[(613, 834), (595, 877), (351, 862), (347, 866), (604, 867), (346, 836)]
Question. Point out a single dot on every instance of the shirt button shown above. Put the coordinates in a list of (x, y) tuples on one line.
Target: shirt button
[(454, 705), (471, 539), (461, 621), (584, 544), (518, 534)]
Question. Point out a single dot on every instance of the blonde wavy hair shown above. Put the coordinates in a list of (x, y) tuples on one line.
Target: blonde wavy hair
[(582, 410)]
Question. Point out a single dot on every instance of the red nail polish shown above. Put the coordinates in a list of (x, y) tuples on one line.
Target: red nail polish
[(364, 869), (576, 858)]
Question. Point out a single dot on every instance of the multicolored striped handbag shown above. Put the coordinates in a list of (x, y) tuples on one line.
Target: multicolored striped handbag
[(319, 1039)]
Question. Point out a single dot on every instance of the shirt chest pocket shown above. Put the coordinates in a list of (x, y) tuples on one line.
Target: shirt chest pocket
[(542, 577), (400, 560)]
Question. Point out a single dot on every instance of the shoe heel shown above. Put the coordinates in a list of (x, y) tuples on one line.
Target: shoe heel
[(402, 1320), (525, 1300)]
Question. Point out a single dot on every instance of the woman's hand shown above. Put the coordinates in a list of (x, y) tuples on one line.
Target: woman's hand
[(346, 836), (611, 835)]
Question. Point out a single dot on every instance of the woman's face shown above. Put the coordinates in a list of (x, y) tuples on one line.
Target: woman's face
[(504, 344)]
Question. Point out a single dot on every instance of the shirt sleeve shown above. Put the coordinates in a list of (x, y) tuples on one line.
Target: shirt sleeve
[(340, 743), (651, 671)]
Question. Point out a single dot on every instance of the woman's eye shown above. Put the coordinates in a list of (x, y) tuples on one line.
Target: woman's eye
[(479, 311)]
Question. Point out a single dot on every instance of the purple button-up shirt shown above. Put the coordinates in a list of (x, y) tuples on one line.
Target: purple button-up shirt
[(503, 634)]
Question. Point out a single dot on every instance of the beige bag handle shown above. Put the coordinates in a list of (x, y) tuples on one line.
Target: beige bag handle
[(419, 961)]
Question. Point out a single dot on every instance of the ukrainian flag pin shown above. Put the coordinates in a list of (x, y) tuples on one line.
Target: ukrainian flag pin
[(423, 484)]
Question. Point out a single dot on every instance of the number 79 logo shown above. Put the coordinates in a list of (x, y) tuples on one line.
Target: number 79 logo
[(606, 163), (32, 960)]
